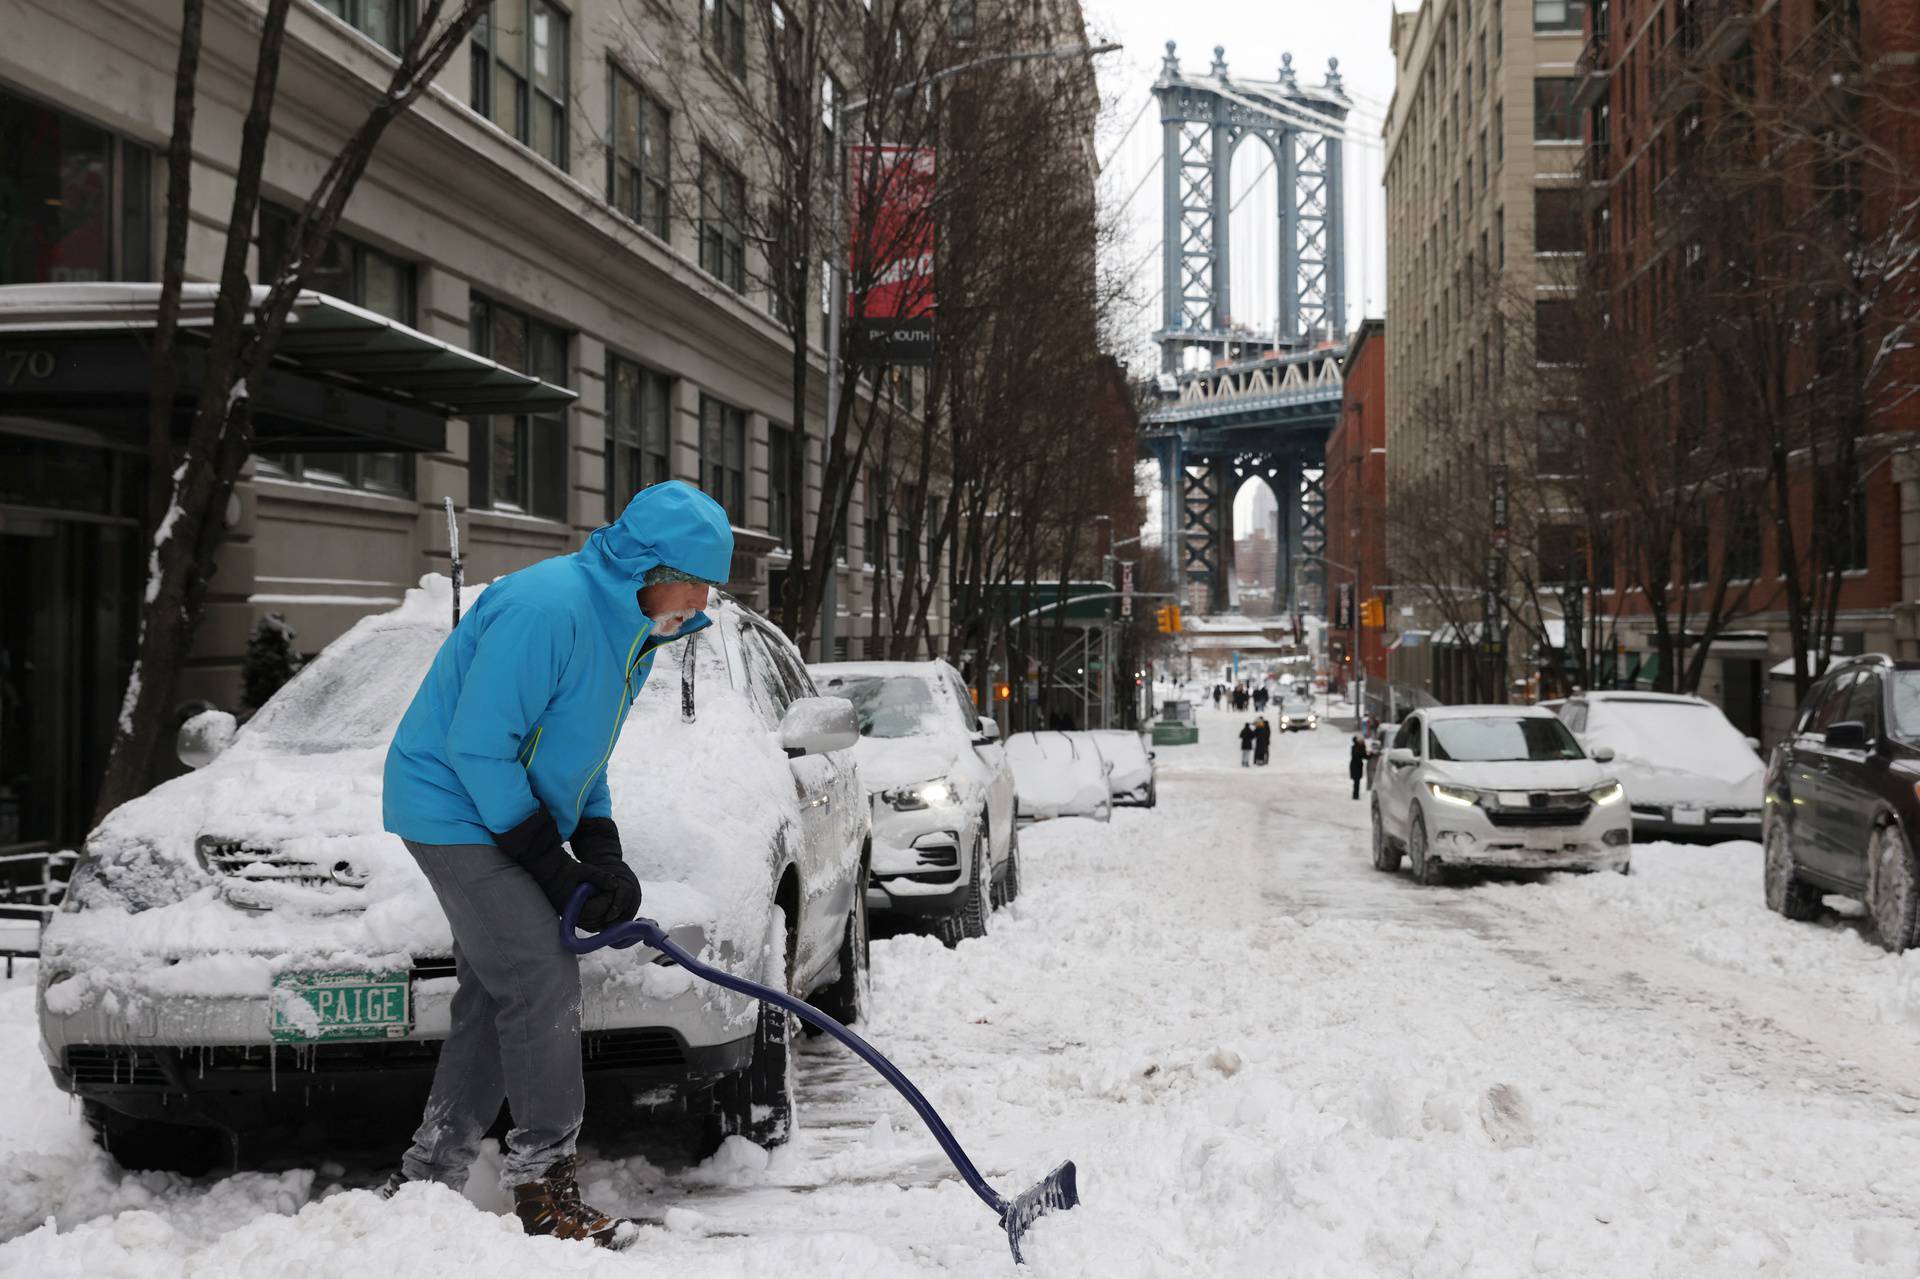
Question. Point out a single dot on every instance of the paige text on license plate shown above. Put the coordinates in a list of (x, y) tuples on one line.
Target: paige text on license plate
[(315, 1007)]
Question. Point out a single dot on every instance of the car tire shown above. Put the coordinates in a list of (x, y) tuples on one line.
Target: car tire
[(1426, 869), (141, 1145), (1893, 889), (1010, 886), (1153, 793), (757, 1102), (1787, 894), (970, 920), (1386, 857), (850, 997)]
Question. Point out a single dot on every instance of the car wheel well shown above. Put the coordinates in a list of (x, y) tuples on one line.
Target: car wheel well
[(786, 900)]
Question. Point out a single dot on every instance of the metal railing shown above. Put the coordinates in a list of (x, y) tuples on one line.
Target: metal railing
[(31, 900)]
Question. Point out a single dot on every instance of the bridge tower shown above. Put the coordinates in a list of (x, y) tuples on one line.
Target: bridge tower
[(1235, 403)]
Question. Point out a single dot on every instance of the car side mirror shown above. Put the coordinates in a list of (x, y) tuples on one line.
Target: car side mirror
[(203, 737), (818, 725), (1400, 757), (989, 731), (1847, 735), (1603, 754)]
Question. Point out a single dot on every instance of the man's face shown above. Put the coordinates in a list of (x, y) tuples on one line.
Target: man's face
[(672, 604)]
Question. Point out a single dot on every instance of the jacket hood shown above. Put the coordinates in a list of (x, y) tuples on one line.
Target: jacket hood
[(671, 523)]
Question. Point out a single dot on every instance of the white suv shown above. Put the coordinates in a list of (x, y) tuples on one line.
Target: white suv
[(1504, 786), (944, 845)]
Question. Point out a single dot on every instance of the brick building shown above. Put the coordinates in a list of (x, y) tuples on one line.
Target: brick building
[(1701, 116), (1356, 484)]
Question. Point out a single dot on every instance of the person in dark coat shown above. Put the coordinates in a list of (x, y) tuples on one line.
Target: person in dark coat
[(1357, 763), (1246, 745), (1262, 739)]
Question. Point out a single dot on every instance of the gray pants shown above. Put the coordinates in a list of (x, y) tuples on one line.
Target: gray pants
[(516, 1022)]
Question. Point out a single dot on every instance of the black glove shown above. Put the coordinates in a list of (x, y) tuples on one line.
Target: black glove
[(535, 844), (596, 842)]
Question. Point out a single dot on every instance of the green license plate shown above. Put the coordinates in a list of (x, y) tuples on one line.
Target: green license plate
[(316, 1007)]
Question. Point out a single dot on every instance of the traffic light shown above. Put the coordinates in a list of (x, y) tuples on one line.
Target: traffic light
[(1163, 619), (1002, 691), (1175, 619), (1373, 613)]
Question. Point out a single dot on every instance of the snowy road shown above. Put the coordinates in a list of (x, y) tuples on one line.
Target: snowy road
[(1266, 1057)]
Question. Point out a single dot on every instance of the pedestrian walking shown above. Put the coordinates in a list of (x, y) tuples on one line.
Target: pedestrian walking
[(1262, 739), (497, 765), (1260, 699), (1357, 762), (1246, 745), (1219, 690)]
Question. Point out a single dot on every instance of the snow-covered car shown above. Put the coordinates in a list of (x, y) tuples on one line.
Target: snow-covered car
[(1132, 781), (1059, 774), (941, 790), (1298, 716), (245, 950), (1688, 771), (1496, 786)]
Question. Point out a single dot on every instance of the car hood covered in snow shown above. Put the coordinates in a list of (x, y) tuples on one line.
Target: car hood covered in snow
[(1057, 774), (886, 762), (1677, 753), (270, 859)]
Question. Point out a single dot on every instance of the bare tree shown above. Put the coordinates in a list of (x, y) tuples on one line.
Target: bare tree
[(241, 340)]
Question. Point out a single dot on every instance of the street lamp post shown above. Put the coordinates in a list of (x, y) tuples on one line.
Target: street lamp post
[(837, 259)]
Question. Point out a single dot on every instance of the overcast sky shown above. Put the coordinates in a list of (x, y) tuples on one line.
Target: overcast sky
[(1255, 34)]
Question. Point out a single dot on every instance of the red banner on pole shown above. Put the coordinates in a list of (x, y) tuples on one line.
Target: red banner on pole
[(892, 253)]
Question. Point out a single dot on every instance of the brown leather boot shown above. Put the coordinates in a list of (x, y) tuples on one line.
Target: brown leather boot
[(552, 1206)]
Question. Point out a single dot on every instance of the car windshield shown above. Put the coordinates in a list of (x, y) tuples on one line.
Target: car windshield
[(887, 705), (1496, 739), (1905, 686), (352, 694)]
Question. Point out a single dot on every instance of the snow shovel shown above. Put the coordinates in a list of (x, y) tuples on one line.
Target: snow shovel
[(1054, 1191)]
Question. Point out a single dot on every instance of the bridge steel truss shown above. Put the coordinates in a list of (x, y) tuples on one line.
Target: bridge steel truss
[(1233, 404)]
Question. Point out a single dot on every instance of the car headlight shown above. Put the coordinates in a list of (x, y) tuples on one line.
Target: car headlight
[(1607, 793), (84, 873), (1464, 796), (920, 795)]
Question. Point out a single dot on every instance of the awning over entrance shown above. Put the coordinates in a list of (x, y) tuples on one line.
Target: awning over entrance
[(343, 380)]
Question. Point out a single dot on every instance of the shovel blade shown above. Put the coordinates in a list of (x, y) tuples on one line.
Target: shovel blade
[(1056, 1192)]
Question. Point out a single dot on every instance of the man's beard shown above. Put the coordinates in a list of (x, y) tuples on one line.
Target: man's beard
[(670, 623)]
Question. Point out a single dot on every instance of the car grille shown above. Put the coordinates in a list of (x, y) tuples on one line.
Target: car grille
[(260, 877), (1543, 808), (111, 1064), (646, 1047)]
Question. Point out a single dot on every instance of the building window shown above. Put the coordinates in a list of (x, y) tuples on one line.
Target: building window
[(77, 205), (1554, 116), (639, 412), (1559, 15), (723, 29), (723, 457), (780, 456), (904, 514), (723, 237), (870, 529), (389, 22), (1696, 558), (1554, 338), (1745, 537), (639, 161), (961, 16), (1559, 444), (519, 63), (518, 461), (1840, 520), (1556, 220), (365, 276), (1558, 554)]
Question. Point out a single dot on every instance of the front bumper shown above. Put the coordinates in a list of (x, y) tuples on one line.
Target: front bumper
[(1460, 836), (922, 859), (1660, 821)]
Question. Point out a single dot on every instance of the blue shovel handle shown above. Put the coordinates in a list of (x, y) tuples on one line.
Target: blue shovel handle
[(646, 931)]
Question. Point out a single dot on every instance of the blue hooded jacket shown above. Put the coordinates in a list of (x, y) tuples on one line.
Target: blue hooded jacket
[(524, 702)]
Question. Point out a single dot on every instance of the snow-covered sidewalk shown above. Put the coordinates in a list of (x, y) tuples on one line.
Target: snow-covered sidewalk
[(1266, 1057)]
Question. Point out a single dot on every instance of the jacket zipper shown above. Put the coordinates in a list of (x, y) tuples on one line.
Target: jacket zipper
[(619, 712)]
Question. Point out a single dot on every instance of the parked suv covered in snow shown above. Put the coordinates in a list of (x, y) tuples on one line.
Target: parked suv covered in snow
[(245, 950), (1504, 786), (944, 844), (1843, 799), (1688, 771)]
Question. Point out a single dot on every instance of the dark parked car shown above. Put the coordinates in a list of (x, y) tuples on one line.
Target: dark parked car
[(1843, 798)]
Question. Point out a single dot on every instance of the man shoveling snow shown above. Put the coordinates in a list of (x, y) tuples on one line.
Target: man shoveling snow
[(500, 758)]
